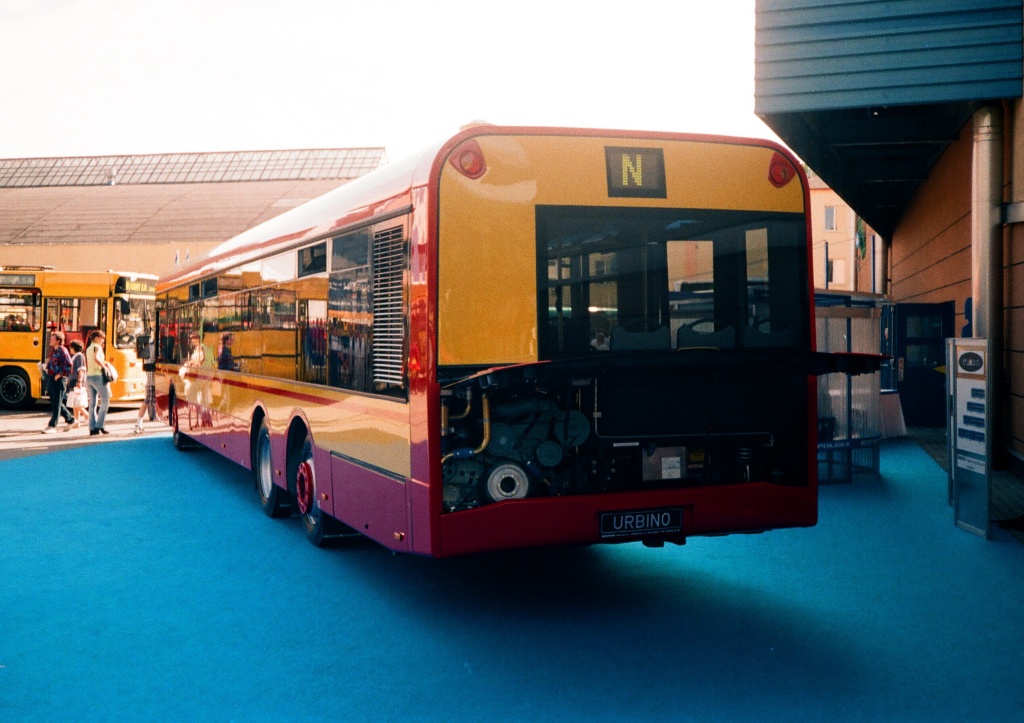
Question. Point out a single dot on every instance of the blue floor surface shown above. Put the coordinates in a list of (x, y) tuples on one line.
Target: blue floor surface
[(140, 583)]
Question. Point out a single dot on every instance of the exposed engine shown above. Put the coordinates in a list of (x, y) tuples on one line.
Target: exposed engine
[(539, 430), (528, 445)]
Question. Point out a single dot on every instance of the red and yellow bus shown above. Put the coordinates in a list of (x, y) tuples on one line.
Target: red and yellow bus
[(525, 337), (36, 300)]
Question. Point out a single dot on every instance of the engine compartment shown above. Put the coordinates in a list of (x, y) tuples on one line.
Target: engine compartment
[(615, 424)]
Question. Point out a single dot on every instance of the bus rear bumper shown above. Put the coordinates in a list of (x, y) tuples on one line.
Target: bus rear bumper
[(550, 521)]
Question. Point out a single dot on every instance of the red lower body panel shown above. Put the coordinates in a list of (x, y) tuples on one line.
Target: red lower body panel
[(576, 520)]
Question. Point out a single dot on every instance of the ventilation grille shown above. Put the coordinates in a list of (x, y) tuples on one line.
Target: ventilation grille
[(388, 307)]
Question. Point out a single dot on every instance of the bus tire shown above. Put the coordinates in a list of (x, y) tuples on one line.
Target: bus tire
[(15, 391), (321, 528), (273, 499)]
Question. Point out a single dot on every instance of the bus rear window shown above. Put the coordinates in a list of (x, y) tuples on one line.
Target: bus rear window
[(616, 279)]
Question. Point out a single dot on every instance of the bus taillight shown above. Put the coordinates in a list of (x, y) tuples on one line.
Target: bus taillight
[(780, 171), (468, 159)]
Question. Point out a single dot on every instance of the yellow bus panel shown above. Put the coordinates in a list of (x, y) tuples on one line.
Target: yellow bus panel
[(487, 226)]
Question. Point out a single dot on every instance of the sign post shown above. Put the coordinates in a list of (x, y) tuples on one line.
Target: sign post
[(970, 432)]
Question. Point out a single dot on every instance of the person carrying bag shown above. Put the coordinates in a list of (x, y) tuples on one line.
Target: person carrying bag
[(108, 372), (78, 397), (96, 383)]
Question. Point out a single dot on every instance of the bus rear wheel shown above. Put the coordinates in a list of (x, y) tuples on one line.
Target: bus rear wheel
[(273, 499), (15, 392), (320, 527), (314, 520)]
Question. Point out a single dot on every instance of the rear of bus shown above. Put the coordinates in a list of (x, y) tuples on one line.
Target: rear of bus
[(621, 324)]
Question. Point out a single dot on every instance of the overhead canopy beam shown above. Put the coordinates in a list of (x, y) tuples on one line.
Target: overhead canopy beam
[(874, 158), (874, 130)]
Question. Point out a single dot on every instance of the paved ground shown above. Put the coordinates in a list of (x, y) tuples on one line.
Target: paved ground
[(21, 432), (145, 584)]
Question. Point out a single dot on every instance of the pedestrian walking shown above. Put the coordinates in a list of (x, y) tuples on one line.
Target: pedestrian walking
[(78, 396), (148, 405), (96, 382), (58, 369)]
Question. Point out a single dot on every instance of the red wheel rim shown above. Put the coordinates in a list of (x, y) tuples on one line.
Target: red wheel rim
[(304, 487)]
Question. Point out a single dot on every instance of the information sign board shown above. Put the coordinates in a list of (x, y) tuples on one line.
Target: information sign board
[(970, 432)]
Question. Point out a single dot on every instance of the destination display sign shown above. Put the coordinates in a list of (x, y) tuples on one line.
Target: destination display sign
[(17, 279), (126, 285), (635, 172)]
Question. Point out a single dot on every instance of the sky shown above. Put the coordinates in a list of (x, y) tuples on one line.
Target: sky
[(109, 77)]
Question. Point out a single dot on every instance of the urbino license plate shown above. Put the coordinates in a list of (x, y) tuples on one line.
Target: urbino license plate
[(639, 523)]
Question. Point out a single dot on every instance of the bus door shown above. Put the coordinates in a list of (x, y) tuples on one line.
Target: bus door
[(133, 318), (921, 331), (75, 317)]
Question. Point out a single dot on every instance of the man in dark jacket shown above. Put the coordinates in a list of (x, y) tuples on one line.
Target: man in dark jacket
[(58, 369)]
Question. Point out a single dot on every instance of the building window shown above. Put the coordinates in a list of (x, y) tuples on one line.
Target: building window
[(830, 218)]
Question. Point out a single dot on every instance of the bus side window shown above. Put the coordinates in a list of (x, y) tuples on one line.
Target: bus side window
[(348, 330), (165, 333), (366, 306), (19, 309)]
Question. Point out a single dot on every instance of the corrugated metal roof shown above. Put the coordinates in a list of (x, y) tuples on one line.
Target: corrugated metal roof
[(815, 54), (164, 213), (870, 93), (219, 167)]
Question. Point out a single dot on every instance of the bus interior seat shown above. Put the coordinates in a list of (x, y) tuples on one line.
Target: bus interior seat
[(689, 337), (754, 338), (81, 335), (659, 338)]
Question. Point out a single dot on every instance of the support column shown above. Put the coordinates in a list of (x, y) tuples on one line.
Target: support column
[(987, 224), (880, 253), (987, 242)]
